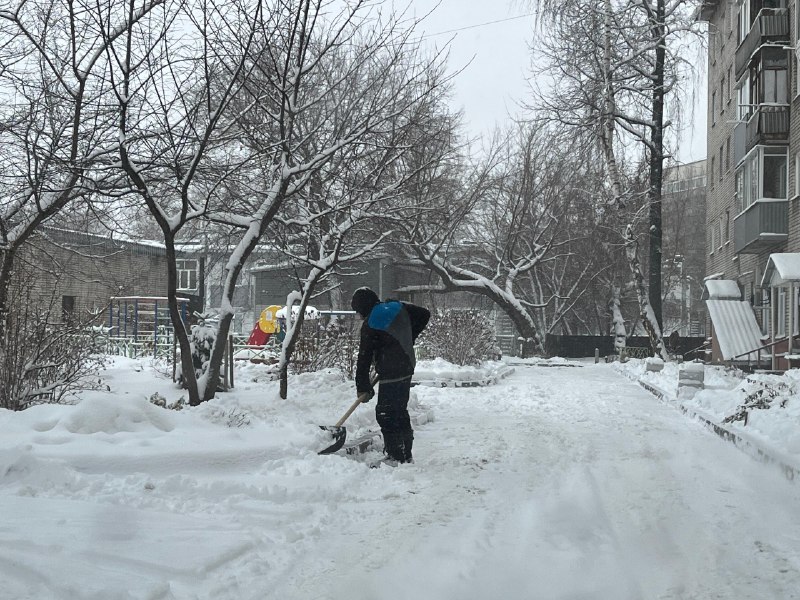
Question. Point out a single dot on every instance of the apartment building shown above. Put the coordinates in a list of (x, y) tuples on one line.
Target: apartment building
[(753, 162)]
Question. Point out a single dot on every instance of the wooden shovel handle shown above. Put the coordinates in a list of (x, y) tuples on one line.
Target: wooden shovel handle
[(361, 398), (350, 410)]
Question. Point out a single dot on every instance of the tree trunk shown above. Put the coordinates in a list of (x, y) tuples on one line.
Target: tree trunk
[(651, 326), (178, 325), (657, 166), (290, 341), (6, 269)]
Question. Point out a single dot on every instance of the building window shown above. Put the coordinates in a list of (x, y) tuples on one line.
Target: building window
[(67, 308), (745, 108), (728, 155), (795, 312), (187, 275), (775, 173), (711, 173), (721, 161), (763, 175), (727, 226), (713, 108), (729, 92), (797, 174), (772, 76), (744, 19)]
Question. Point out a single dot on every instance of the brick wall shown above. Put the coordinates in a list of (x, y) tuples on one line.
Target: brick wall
[(89, 269)]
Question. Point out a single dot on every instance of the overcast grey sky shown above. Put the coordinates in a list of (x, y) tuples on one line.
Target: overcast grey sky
[(493, 84)]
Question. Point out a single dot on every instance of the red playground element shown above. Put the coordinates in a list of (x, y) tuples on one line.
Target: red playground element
[(258, 337)]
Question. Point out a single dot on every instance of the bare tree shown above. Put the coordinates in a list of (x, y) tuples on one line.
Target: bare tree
[(231, 115), (346, 213), (613, 66), (56, 127), (503, 233)]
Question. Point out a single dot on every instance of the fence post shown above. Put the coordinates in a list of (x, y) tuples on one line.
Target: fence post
[(230, 354), (596, 355), (155, 329), (225, 368)]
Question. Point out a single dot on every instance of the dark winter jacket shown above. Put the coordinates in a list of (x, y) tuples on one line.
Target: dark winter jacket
[(388, 334)]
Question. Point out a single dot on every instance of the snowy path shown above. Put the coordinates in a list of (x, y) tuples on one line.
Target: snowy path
[(558, 483), (564, 483)]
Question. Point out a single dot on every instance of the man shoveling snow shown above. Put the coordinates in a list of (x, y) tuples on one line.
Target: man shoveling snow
[(388, 334)]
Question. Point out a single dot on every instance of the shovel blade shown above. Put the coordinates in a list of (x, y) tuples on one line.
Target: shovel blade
[(338, 436)]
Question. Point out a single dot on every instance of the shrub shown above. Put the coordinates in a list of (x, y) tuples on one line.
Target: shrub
[(201, 340), (46, 356), (327, 346), (462, 337)]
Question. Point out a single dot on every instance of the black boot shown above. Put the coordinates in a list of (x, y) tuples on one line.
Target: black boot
[(393, 446), (408, 442)]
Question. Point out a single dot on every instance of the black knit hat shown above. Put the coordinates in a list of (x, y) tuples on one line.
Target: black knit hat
[(364, 299)]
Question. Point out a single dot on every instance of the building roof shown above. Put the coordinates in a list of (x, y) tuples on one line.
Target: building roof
[(723, 289), (782, 268), (735, 329)]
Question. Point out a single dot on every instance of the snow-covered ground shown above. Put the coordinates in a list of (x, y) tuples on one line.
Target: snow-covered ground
[(555, 483), (771, 402)]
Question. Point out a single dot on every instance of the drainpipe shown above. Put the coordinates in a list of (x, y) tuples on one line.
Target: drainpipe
[(773, 321), (791, 318)]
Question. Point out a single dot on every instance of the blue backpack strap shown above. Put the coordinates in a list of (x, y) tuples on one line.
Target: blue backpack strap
[(383, 315)]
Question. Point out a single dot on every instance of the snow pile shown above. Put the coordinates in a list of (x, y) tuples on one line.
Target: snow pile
[(441, 370), (764, 408), (555, 361)]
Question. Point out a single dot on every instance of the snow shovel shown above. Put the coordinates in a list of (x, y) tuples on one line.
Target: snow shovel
[(338, 431)]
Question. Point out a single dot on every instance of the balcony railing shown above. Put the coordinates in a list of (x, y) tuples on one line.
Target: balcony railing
[(763, 225), (768, 124), (771, 25)]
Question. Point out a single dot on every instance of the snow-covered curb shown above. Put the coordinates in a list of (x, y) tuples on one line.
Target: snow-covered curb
[(438, 373), (752, 447)]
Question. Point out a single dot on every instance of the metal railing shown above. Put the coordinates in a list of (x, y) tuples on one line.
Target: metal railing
[(770, 25), (762, 224), (757, 351), (768, 123)]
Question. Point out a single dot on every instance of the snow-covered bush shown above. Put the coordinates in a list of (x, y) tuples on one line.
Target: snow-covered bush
[(462, 337), (46, 356), (201, 338), (762, 397)]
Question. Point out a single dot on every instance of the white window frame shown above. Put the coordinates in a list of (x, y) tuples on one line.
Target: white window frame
[(744, 19), (713, 108), (187, 274), (796, 175), (796, 312), (759, 152)]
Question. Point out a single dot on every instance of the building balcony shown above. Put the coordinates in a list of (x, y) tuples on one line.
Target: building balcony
[(770, 26), (769, 124), (763, 225)]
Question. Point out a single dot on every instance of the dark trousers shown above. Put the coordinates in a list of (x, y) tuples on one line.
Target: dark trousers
[(391, 412)]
